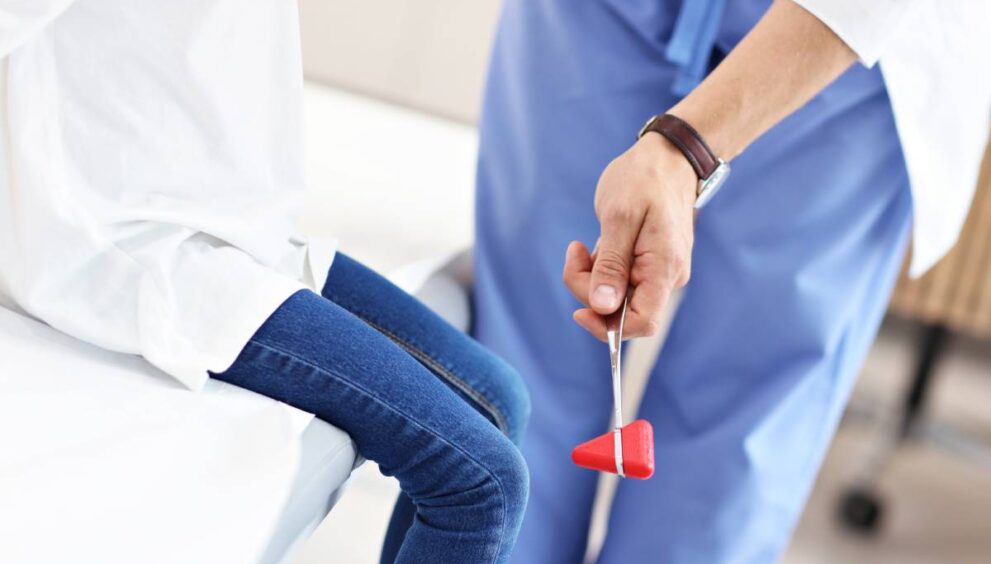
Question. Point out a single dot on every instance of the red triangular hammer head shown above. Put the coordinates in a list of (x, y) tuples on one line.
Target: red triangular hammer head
[(638, 451)]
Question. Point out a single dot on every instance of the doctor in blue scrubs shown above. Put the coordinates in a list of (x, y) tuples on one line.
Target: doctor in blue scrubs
[(791, 256)]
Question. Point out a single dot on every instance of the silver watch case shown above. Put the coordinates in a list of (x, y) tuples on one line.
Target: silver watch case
[(708, 187)]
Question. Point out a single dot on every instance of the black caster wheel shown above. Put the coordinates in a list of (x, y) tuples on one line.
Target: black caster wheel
[(860, 511)]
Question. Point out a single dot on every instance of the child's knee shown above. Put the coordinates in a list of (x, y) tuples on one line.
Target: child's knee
[(509, 469)]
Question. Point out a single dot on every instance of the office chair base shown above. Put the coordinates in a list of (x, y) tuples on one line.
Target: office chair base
[(861, 511)]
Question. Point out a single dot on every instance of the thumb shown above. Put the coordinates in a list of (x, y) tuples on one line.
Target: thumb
[(611, 271)]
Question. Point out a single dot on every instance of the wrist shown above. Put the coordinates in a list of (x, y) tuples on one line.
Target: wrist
[(668, 165), (709, 168)]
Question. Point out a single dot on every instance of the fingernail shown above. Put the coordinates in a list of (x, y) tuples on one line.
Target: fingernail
[(605, 297)]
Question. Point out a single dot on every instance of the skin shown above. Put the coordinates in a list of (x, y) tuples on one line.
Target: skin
[(644, 198)]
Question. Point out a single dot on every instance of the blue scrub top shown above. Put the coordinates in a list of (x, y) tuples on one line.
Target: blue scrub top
[(792, 266)]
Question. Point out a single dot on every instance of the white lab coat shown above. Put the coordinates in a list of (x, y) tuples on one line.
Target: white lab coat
[(151, 174), (935, 56)]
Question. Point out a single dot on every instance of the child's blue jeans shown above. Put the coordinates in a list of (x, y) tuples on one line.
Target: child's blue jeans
[(428, 404)]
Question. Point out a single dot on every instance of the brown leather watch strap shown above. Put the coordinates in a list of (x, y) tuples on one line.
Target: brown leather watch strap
[(688, 141)]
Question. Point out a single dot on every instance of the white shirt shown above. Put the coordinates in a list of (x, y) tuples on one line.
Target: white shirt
[(935, 56), (151, 173)]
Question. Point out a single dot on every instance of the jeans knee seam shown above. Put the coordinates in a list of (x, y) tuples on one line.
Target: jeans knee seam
[(343, 380), (435, 366), (443, 372)]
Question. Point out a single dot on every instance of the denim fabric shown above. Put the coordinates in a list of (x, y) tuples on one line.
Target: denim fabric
[(428, 404)]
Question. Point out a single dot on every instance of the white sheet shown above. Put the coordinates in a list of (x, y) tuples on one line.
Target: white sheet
[(104, 459)]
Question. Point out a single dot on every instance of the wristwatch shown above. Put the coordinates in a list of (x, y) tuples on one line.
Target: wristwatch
[(711, 170)]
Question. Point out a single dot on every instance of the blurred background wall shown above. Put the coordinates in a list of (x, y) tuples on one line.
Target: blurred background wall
[(425, 54)]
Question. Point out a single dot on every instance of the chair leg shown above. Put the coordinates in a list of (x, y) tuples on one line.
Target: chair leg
[(933, 343), (861, 507)]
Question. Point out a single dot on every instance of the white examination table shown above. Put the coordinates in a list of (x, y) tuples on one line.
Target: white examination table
[(104, 459)]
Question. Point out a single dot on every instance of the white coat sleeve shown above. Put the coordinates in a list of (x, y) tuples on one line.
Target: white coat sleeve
[(864, 25), (21, 19)]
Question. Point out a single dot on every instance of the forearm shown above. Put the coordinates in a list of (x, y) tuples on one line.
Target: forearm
[(785, 60)]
